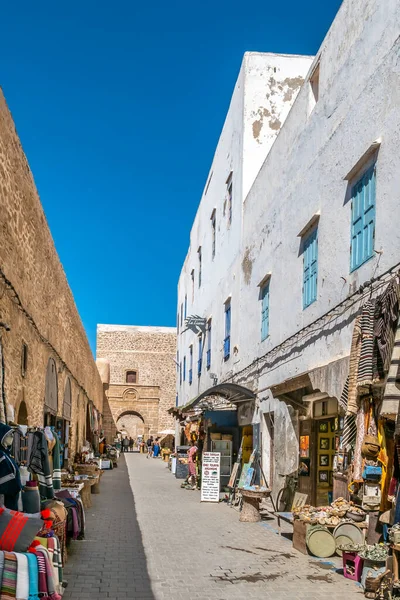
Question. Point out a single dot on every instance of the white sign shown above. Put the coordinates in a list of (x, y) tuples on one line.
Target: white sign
[(210, 476)]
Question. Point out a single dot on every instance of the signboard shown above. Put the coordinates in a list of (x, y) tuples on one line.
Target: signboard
[(196, 324), (210, 476)]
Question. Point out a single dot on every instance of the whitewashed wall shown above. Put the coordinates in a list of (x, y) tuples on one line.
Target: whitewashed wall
[(265, 90)]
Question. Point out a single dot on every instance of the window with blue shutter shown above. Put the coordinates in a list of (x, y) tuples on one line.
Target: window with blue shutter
[(190, 364), (310, 268), (227, 340), (363, 219), (200, 361), (264, 311), (209, 344), (180, 373)]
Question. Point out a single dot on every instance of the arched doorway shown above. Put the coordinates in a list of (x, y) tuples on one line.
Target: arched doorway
[(133, 423), (51, 394), (22, 416), (63, 424)]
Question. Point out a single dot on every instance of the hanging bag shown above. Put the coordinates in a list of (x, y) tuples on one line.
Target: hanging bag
[(370, 447)]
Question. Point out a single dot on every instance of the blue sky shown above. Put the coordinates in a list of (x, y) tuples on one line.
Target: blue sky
[(119, 106)]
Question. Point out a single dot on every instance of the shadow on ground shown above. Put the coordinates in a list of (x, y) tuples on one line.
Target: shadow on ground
[(110, 562)]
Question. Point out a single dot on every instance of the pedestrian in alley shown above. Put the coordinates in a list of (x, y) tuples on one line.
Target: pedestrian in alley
[(156, 448), (131, 442), (149, 445), (125, 444), (192, 464)]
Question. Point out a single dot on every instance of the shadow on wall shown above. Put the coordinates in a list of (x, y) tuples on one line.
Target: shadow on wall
[(111, 561)]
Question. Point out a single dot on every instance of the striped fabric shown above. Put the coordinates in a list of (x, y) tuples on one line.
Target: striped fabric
[(351, 392), (22, 592), (366, 375), (9, 581), (387, 322), (391, 397), (42, 574), (12, 530)]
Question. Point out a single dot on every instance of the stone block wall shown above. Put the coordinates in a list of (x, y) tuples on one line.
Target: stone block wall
[(36, 302), (150, 351)]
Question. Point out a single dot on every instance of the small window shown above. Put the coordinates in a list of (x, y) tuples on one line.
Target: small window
[(180, 373), (314, 83), (181, 314), (229, 199), (363, 218), (184, 368), (199, 255), (310, 267), (200, 360), (264, 311), (213, 232), (192, 278), (227, 339), (131, 377), (190, 365), (209, 344), (24, 359)]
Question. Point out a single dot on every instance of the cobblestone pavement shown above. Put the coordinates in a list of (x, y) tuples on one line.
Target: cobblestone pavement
[(163, 544)]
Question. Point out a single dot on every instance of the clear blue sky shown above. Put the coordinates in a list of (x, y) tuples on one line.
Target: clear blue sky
[(119, 106)]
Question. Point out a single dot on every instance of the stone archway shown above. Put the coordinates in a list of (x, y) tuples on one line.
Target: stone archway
[(133, 423)]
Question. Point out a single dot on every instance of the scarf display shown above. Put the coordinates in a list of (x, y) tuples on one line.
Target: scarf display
[(367, 367), (33, 576), (42, 579), (9, 581), (48, 571), (39, 464), (57, 464), (22, 591), (350, 393)]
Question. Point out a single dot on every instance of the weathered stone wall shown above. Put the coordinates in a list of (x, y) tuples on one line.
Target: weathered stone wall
[(150, 351), (35, 299)]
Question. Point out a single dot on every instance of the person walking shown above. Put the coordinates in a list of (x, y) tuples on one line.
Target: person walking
[(125, 444), (156, 448), (131, 442), (149, 445)]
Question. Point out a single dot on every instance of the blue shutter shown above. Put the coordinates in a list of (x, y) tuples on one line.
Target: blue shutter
[(209, 344), (227, 340), (310, 268), (184, 368), (199, 363), (264, 312), (363, 196)]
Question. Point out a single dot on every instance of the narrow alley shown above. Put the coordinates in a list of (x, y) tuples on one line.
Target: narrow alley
[(147, 539)]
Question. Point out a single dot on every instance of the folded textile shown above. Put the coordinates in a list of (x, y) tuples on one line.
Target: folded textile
[(22, 591), (17, 530), (42, 579), (1, 566), (56, 464), (49, 573), (9, 581), (33, 576)]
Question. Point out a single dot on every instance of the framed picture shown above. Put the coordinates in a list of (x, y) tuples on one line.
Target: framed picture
[(333, 425), (324, 443), (304, 467), (337, 443), (323, 476), (336, 423), (323, 426), (304, 446), (324, 460)]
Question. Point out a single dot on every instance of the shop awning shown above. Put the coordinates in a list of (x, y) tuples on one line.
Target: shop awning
[(219, 397)]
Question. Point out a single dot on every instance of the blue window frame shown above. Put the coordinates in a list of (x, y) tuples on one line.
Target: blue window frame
[(209, 344), (177, 400), (200, 361), (180, 373), (227, 340), (310, 267), (264, 311), (363, 194), (190, 364), (200, 265), (184, 368), (181, 314)]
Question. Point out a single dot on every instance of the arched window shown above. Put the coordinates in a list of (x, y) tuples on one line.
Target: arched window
[(51, 389), (67, 400), (131, 377)]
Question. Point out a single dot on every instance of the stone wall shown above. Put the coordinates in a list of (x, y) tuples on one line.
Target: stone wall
[(36, 302), (150, 351)]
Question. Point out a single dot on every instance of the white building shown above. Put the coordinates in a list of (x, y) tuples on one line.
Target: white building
[(320, 218)]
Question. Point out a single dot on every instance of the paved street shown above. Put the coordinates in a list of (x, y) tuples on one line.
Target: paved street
[(163, 544)]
